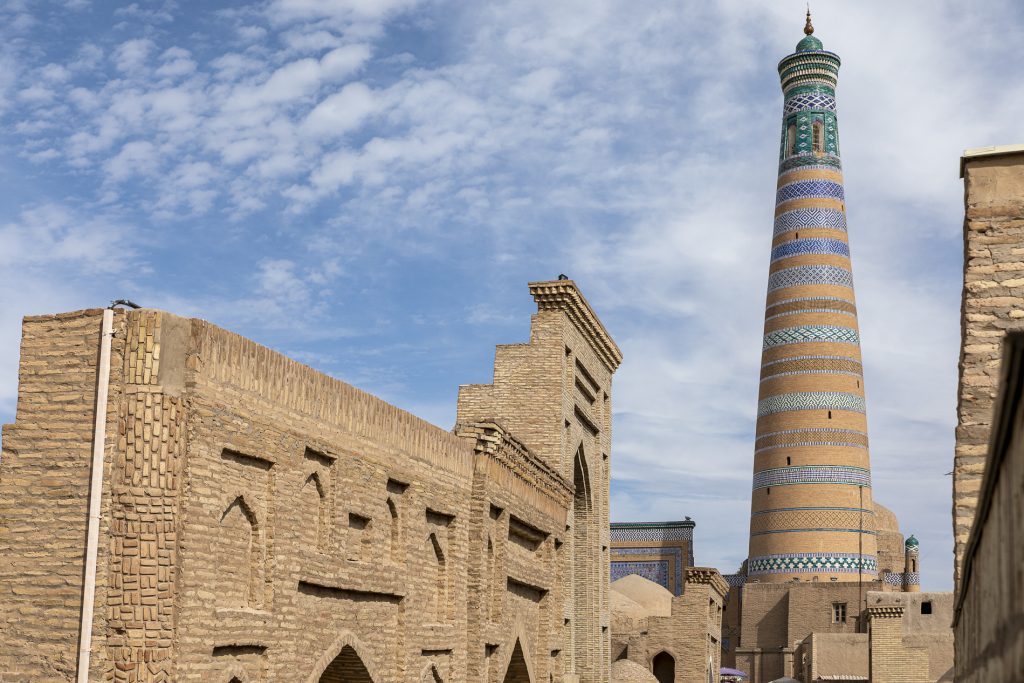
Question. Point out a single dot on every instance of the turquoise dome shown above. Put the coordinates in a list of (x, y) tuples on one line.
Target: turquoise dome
[(912, 543), (809, 43)]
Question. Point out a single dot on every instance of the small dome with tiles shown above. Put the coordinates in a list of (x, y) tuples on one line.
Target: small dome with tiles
[(809, 42), (912, 543)]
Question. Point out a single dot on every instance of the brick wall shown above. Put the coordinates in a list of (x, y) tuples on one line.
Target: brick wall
[(44, 494), (993, 302), (891, 660), (690, 637), (265, 522), (990, 608)]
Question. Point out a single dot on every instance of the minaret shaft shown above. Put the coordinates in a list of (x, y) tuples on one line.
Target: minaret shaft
[(811, 512)]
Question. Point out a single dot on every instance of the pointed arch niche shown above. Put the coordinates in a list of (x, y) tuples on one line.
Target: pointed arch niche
[(241, 557), (585, 539)]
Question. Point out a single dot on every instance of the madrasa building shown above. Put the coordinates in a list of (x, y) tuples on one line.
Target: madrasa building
[(830, 589)]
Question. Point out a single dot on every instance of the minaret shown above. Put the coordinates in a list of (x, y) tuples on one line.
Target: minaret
[(811, 511), (911, 569)]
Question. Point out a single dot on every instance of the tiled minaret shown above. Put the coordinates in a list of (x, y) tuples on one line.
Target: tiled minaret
[(811, 511)]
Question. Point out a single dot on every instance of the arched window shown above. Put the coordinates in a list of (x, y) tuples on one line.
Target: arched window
[(818, 137), (791, 140)]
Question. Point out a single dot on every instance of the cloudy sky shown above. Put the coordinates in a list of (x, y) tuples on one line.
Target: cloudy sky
[(367, 186)]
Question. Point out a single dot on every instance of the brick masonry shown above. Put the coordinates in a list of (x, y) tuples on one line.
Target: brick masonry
[(989, 610), (264, 522), (993, 303)]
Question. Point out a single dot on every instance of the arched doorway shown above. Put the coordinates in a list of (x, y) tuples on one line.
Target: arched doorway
[(517, 671), (664, 667), (346, 668)]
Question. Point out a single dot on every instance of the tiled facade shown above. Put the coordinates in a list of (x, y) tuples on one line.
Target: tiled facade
[(811, 463), (263, 522), (658, 551)]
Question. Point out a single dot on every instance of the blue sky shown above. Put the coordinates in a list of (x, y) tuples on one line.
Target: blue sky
[(367, 186)]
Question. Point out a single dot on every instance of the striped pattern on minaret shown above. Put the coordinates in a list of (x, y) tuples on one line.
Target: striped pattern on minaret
[(811, 511)]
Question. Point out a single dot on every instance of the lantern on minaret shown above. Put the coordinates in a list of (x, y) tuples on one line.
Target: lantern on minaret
[(812, 517)]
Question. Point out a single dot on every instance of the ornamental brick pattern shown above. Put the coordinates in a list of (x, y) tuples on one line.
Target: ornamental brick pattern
[(811, 454), (261, 521)]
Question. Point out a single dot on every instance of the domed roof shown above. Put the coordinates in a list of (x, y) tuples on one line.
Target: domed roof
[(885, 519), (809, 43), (625, 671), (653, 598), (912, 543)]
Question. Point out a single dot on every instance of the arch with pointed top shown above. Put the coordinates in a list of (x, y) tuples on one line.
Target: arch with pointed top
[(585, 539), (252, 594), (514, 666), (345, 640), (663, 666)]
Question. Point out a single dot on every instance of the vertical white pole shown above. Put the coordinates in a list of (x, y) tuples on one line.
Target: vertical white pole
[(99, 438)]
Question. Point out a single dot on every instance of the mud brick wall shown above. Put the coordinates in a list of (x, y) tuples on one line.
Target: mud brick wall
[(44, 495), (993, 302)]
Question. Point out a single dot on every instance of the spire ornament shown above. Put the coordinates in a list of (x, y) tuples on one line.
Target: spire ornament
[(808, 27)]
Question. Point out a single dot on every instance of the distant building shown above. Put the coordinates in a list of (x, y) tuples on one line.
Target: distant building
[(657, 551)]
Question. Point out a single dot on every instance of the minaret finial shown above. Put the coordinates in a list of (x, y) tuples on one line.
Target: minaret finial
[(808, 27)]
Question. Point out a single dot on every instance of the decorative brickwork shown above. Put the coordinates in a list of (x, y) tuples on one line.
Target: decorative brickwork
[(264, 522)]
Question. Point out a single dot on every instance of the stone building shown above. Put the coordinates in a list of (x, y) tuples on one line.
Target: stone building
[(658, 551), (213, 511), (989, 459), (675, 637), (992, 305)]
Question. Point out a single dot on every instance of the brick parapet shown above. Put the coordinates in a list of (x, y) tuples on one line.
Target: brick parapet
[(564, 295)]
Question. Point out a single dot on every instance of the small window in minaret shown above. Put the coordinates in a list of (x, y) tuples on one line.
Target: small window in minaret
[(791, 141), (818, 131)]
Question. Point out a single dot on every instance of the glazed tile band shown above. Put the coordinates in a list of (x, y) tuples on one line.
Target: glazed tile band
[(813, 562), (809, 218), (811, 245), (842, 475), (811, 400), (810, 334), (801, 276), (809, 189)]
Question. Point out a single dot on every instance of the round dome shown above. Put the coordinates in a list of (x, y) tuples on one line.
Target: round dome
[(912, 543), (625, 671), (654, 598), (809, 43)]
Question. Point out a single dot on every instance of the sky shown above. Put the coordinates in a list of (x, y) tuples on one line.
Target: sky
[(368, 185)]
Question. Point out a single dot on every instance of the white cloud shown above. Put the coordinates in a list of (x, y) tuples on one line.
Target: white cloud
[(631, 146), (342, 112), (133, 54)]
